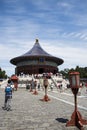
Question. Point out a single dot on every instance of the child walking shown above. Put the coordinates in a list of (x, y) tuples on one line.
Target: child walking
[(8, 96)]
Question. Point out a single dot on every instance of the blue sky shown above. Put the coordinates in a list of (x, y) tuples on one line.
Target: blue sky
[(60, 26)]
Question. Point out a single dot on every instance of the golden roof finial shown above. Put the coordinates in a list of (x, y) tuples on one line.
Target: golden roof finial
[(37, 41)]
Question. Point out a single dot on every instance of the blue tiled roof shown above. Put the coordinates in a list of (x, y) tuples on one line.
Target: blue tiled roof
[(36, 51)]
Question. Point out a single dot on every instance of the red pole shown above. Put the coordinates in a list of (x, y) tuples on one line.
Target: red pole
[(46, 98)]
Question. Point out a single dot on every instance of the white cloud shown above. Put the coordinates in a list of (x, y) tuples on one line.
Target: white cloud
[(72, 56), (60, 27)]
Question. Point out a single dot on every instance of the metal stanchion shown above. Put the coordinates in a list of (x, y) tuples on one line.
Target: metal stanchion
[(76, 118), (35, 91), (45, 98)]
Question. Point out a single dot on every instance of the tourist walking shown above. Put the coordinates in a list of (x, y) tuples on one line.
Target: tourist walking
[(8, 96), (51, 86), (38, 86), (86, 86)]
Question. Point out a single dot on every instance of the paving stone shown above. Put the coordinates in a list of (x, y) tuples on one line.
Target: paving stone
[(30, 113)]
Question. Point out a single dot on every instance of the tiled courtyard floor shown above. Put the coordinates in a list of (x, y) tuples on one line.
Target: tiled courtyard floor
[(30, 113)]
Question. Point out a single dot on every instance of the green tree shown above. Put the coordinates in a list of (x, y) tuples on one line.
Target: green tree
[(3, 74), (82, 71)]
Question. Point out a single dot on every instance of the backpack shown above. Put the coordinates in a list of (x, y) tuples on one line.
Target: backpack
[(8, 89)]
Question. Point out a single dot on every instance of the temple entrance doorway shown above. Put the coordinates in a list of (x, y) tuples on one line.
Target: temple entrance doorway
[(41, 70)]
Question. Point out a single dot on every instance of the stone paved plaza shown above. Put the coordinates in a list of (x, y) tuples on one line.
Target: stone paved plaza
[(30, 113)]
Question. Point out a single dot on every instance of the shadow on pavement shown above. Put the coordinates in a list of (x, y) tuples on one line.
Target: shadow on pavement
[(62, 120)]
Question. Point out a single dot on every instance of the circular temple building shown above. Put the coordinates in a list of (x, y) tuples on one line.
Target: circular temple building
[(36, 61)]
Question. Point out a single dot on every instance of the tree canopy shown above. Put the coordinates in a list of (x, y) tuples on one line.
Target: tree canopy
[(81, 70), (3, 74)]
